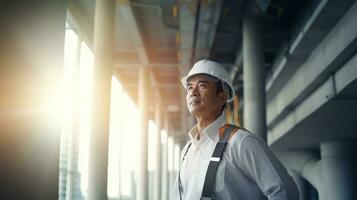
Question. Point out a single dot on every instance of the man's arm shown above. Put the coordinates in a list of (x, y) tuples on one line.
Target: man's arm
[(265, 169)]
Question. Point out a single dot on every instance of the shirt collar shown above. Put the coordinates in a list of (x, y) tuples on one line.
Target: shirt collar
[(211, 131)]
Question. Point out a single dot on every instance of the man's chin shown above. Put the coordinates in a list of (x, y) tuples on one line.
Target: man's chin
[(194, 111)]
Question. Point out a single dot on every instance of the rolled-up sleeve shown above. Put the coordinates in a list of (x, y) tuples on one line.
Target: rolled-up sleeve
[(262, 166)]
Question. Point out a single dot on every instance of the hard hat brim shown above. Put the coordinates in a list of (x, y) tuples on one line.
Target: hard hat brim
[(184, 80)]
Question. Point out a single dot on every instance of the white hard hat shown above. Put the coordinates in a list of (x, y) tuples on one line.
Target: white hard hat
[(213, 69)]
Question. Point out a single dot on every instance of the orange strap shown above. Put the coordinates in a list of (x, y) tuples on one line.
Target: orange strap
[(221, 130)]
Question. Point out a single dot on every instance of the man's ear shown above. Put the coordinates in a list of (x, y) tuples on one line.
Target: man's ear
[(222, 97)]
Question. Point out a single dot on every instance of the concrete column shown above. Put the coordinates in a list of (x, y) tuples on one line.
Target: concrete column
[(133, 185), (158, 151), (31, 64), (165, 177), (120, 138), (236, 111), (253, 76), (74, 135), (172, 174), (338, 165), (184, 112), (99, 138), (142, 192)]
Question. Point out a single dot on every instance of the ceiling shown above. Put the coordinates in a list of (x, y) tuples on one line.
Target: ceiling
[(161, 35), (167, 36)]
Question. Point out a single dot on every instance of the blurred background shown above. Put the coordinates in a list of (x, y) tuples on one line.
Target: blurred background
[(91, 106)]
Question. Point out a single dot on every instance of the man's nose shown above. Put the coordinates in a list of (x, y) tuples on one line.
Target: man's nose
[(193, 91)]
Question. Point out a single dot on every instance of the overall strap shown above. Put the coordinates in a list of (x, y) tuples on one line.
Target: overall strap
[(226, 132)]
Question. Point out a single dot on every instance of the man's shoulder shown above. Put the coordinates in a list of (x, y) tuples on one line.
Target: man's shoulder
[(241, 135)]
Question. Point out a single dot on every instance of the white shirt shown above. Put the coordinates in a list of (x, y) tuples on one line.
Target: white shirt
[(248, 170)]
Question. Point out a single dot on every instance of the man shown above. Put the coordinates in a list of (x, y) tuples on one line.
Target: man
[(247, 170)]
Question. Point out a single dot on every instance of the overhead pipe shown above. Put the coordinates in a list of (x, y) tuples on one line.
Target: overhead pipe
[(304, 163), (332, 173)]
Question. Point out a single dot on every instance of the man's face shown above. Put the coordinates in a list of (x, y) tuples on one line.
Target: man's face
[(202, 98)]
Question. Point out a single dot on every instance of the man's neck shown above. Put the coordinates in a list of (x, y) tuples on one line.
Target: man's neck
[(204, 121)]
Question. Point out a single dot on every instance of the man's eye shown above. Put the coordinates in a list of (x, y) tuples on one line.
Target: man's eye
[(189, 88), (202, 85)]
